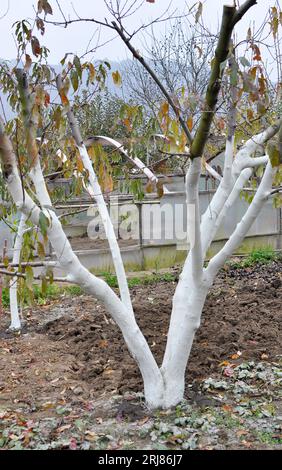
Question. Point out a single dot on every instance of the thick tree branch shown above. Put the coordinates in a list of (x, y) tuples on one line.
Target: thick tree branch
[(214, 84), (242, 10)]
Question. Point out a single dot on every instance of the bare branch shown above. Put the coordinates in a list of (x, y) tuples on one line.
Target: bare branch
[(36, 278)]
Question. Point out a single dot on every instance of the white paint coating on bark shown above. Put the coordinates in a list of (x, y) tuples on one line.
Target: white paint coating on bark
[(13, 292), (95, 191), (103, 140)]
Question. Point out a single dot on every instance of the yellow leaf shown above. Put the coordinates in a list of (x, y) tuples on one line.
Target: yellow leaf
[(190, 123), (149, 187), (164, 108), (79, 164), (116, 78), (92, 72)]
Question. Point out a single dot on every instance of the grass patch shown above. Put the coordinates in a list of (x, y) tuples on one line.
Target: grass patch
[(269, 437), (257, 256), (111, 279), (53, 291)]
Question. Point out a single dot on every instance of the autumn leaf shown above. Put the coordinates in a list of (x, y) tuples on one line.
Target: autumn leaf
[(40, 25), (150, 1), (199, 12), (91, 436), (73, 443), (47, 99), (257, 54), (64, 98), (47, 8), (63, 428), (28, 62), (237, 355), (224, 363), (253, 72), (227, 408), (143, 421), (44, 5), (116, 78), (127, 123), (164, 108), (250, 114), (190, 123), (108, 184), (92, 72), (79, 164), (221, 124), (160, 189), (35, 46), (103, 344), (41, 250)]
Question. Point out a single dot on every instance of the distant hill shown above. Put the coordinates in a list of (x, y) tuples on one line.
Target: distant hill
[(121, 92)]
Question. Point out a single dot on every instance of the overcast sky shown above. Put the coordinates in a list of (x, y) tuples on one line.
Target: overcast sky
[(76, 37)]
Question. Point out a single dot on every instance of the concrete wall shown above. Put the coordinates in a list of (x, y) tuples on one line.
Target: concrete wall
[(157, 236)]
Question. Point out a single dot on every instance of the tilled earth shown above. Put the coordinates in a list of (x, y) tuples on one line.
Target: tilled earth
[(71, 354)]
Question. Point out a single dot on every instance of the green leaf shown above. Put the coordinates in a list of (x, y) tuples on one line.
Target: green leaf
[(244, 62), (64, 59), (44, 223), (234, 74), (274, 155), (77, 64), (29, 276), (44, 285), (74, 80)]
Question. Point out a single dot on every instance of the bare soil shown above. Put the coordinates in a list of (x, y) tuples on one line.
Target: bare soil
[(72, 354)]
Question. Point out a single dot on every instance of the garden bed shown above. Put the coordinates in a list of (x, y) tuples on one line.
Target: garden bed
[(69, 382)]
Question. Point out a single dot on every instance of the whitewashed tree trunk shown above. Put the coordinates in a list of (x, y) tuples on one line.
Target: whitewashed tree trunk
[(13, 292), (195, 281)]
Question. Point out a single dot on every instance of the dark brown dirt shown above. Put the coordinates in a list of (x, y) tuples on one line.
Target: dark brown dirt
[(83, 352)]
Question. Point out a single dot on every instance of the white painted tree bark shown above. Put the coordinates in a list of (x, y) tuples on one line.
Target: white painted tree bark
[(13, 291), (103, 140)]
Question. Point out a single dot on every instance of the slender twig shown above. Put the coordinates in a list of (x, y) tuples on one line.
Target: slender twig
[(4, 272)]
